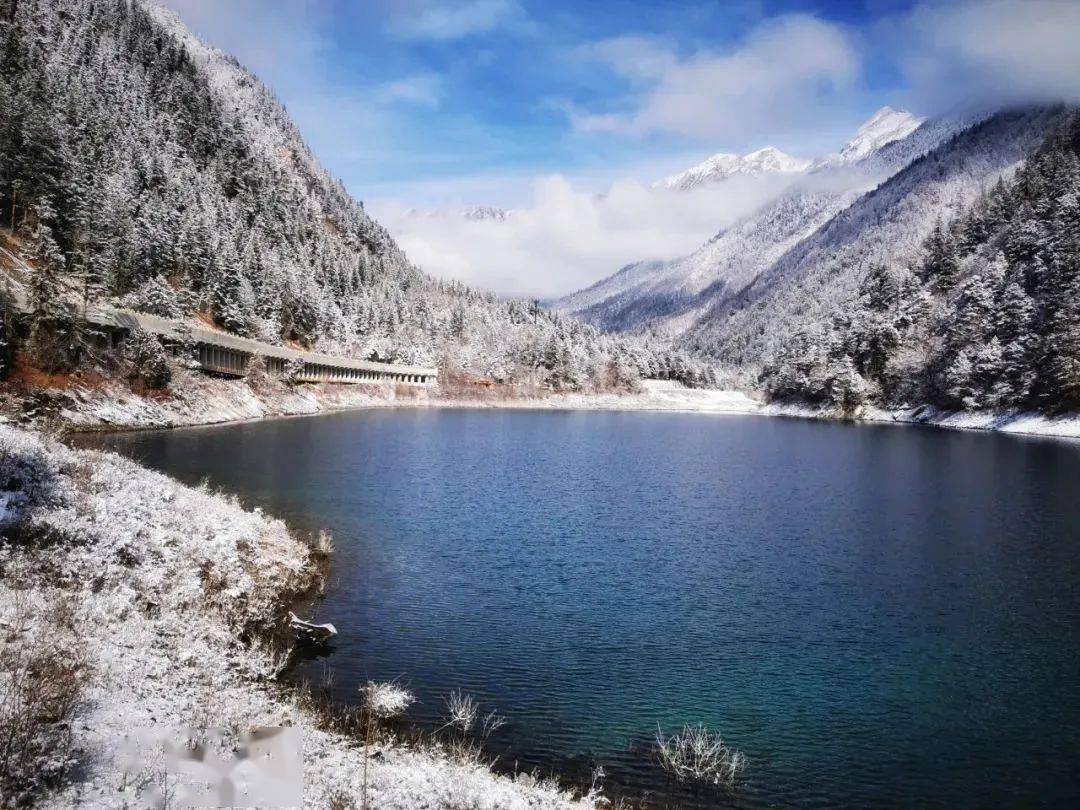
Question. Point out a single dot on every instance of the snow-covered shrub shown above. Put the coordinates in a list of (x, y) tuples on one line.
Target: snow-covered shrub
[(29, 475), (696, 754), (294, 370), (385, 700), (42, 673), (185, 348), (256, 374), (148, 358), (382, 701), (470, 731), (155, 297), (462, 710)]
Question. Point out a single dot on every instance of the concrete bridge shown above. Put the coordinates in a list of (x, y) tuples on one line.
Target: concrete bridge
[(222, 353)]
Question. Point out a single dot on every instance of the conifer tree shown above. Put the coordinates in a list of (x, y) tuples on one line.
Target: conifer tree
[(941, 265), (54, 338)]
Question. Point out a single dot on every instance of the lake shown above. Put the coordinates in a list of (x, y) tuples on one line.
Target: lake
[(874, 614)]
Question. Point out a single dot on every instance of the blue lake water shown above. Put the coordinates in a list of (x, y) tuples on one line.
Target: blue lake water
[(875, 615)]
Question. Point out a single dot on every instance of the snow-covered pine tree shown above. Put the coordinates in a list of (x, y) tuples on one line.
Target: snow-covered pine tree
[(941, 264), (54, 341)]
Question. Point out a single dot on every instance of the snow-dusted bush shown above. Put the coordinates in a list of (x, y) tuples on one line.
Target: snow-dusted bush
[(42, 674), (382, 701), (468, 729), (462, 711), (385, 700), (257, 374), (294, 370), (149, 361), (696, 754), (29, 475)]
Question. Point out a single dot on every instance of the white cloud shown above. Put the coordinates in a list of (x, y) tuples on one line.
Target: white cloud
[(566, 238), (424, 89), (445, 21), (988, 52), (784, 72)]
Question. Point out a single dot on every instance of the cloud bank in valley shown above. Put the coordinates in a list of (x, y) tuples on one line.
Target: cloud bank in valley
[(566, 238)]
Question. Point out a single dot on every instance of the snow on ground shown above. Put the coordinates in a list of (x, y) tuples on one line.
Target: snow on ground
[(1018, 422), (163, 579), (197, 399)]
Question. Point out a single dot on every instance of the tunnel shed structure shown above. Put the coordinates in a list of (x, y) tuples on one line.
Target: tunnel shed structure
[(219, 352)]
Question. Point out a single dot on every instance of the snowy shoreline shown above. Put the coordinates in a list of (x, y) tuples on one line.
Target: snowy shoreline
[(1017, 423), (201, 401), (159, 582)]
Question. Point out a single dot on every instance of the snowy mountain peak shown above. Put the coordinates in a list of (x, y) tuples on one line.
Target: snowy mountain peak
[(884, 127), (768, 160)]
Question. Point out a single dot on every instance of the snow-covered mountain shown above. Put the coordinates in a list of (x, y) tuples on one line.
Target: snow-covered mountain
[(669, 296), (986, 316), (768, 160), (886, 225), (479, 213), (473, 213), (884, 127)]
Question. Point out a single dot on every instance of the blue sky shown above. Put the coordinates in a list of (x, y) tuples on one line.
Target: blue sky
[(541, 105), (390, 93)]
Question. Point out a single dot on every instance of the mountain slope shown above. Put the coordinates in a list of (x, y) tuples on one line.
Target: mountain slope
[(670, 296), (887, 224), (987, 317), (140, 165), (665, 295)]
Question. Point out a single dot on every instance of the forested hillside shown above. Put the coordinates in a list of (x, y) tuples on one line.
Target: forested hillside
[(986, 317), (140, 166), (886, 225)]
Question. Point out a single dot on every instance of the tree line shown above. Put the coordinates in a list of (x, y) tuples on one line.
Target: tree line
[(988, 318)]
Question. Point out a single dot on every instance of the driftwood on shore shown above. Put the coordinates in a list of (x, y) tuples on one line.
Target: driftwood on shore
[(306, 631)]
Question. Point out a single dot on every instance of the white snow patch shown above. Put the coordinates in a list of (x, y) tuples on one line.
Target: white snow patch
[(768, 160)]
